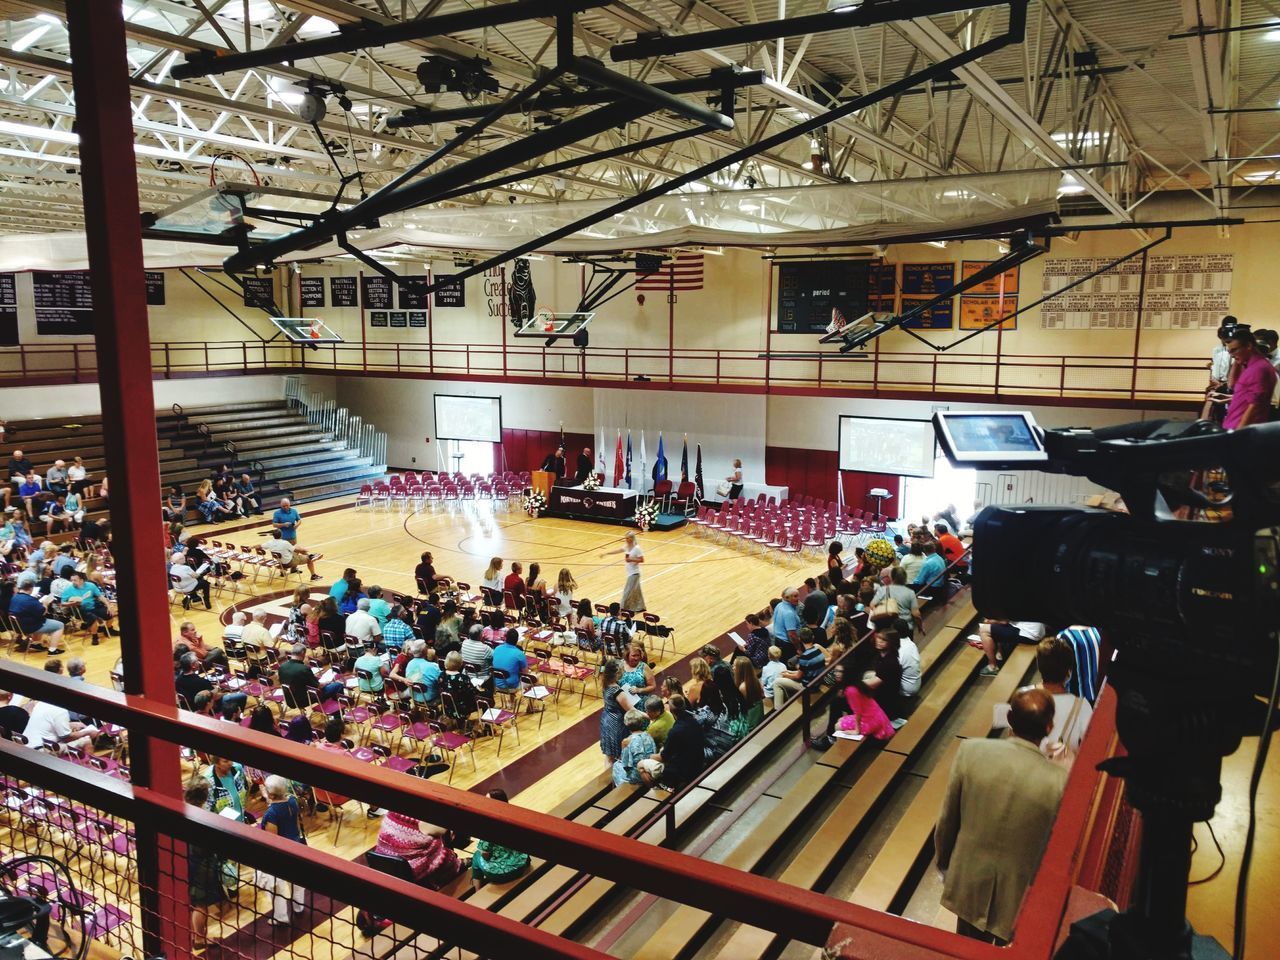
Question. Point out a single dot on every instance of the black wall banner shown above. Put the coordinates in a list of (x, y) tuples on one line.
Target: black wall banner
[(417, 318), (258, 291), (398, 318), (378, 318), (376, 293), (312, 291), (155, 288), (63, 302), (453, 293), (342, 291), (9, 310), (411, 296)]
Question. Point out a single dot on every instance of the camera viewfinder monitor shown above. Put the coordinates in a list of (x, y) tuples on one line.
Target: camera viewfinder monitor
[(978, 439)]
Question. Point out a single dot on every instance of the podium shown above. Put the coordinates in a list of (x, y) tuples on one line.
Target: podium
[(542, 481)]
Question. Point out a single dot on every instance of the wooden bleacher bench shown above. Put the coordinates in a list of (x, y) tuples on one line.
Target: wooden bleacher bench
[(1001, 688), (898, 857)]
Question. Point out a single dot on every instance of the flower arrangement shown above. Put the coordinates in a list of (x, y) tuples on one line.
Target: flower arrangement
[(535, 503), (646, 514), (592, 482)]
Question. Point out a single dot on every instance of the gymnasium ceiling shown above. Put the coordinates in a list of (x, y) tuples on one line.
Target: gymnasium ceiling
[(1098, 94)]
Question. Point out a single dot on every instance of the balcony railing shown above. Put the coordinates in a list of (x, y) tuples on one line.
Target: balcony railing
[(1161, 380)]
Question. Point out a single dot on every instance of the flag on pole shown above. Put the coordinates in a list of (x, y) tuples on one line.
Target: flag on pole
[(600, 464), (617, 462), (562, 437), (684, 460), (660, 463), (697, 474), (644, 461), (627, 479)]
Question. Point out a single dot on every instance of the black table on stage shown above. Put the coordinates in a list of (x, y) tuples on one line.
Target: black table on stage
[(604, 503)]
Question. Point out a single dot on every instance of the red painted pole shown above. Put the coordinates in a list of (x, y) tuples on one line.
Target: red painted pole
[(100, 73)]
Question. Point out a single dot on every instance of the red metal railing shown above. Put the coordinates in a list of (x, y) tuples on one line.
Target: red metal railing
[(1161, 380), (795, 913)]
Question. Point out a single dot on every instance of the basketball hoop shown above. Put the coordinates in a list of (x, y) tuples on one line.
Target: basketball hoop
[(544, 320), (838, 321), (228, 169)]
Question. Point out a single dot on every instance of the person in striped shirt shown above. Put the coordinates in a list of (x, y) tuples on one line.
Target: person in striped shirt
[(1086, 644)]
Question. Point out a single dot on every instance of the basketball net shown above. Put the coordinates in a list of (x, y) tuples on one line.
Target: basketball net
[(838, 321), (314, 331), (545, 320)]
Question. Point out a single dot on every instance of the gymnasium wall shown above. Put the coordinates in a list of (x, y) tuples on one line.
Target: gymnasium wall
[(82, 399)]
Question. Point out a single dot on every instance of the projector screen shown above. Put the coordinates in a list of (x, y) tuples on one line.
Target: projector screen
[(881, 445), (468, 418)]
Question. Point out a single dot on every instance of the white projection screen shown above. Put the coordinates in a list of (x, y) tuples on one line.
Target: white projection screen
[(468, 418), (882, 445)]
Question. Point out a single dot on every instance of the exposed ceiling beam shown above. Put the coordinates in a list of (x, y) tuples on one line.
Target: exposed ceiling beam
[(1212, 57), (936, 44)]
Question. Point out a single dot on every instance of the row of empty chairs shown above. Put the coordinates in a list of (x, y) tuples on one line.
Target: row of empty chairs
[(786, 530), (447, 490)]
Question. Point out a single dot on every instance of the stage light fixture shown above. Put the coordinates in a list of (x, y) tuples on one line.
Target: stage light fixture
[(467, 77)]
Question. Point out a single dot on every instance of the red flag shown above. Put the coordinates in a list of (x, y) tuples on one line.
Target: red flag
[(617, 462)]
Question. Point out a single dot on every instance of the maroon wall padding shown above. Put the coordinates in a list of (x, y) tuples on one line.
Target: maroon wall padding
[(813, 473), (526, 449)]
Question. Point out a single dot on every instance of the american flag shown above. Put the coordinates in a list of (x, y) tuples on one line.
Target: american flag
[(683, 272)]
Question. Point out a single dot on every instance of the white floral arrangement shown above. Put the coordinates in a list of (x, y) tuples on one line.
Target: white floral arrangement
[(534, 503), (646, 514), (592, 482)]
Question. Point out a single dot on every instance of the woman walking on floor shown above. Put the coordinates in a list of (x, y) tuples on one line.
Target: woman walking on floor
[(632, 596)]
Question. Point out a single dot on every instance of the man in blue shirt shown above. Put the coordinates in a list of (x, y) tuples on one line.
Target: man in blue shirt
[(427, 672), (786, 622), (30, 613), (509, 658), (286, 520), (395, 632), (933, 566)]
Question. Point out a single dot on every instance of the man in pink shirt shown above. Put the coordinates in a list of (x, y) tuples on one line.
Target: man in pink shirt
[(1255, 382)]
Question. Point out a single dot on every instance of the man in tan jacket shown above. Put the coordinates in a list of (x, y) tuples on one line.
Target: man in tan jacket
[(1002, 798)]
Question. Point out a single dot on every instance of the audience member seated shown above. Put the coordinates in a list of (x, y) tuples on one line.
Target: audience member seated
[(351, 599), (997, 638), (53, 512), (423, 669), (565, 585), (909, 660), (424, 574), (478, 656), (786, 621), (55, 478), (426, 848), (31, 613), (638, 746), (339, 590), (614, 632), (492, 579), (660, 719), (509, 658), (379, 608), (461, 690), (211, 507), (810, 663), (1071, 713), (332, 627), (699, 677), (448, 630), (29, 489), (770, 672), (514, 582), (19, 467), (750, 690), (51, 722), (233, 632), (886, 687), (855, 709), (363, 625), (174, 505), (88, 603), (906, 618), (296, 678), (189, 582), (1085, 643), (248, 495), (371, 662), (683, 756), (290, 555), (912, 561), (396, 632), (932, 569), (13, 719), (948, 543), (493, 863), (757, 648)]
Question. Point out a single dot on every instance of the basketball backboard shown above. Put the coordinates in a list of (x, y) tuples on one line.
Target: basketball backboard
[(306, 330), (548, 323)]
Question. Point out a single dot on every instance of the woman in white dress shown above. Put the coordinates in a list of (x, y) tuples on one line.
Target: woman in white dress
[(632, 596)]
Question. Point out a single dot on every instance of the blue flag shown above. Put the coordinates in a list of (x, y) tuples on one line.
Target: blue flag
[(684, 461), (660, 464), (627, 480)]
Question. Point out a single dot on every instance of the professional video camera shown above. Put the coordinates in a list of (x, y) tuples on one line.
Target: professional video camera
[(1185, 586)]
